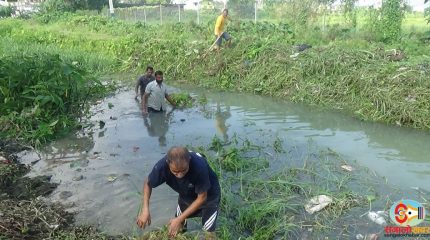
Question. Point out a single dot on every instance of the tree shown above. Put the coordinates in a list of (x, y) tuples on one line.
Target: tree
[(426, 11), (349, 11), (325, 4), (392, 13), (96, 4)]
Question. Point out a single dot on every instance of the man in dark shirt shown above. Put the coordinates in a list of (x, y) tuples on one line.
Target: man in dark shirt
[(190, 175), (143, 80)]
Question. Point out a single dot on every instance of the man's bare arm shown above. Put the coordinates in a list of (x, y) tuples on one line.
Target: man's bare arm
[(201, 198), (145, 102), (144, 218), (137, 87), (170, 100)]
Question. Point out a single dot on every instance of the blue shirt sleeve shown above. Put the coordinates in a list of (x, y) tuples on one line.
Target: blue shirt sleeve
[(157, 175)]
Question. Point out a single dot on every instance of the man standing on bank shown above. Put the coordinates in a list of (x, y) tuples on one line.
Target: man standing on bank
[(155, 93), (219, 29), (190, 175), (143, 80)]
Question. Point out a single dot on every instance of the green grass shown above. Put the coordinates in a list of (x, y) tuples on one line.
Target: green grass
[(42, 97)]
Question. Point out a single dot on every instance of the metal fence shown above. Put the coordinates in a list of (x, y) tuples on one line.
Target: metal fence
[(156, 14), (294, 12), (170, 13)]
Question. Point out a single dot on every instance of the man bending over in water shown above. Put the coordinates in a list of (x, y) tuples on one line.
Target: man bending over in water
[(190, 175)]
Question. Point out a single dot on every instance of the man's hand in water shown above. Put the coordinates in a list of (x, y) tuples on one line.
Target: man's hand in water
[(144, 219), (144, 111), (175, 225)]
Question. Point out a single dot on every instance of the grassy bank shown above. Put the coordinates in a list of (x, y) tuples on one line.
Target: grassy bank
[(44, 89), (343, 70)]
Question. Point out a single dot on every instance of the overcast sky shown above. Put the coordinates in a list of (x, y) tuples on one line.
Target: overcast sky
[(418, 5)]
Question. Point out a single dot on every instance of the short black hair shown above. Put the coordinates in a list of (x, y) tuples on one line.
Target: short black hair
[(149, 67), (225, 9), (157, 73), (177, 155)]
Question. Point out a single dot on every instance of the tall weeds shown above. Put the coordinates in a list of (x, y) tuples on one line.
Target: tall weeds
[(42, 94)]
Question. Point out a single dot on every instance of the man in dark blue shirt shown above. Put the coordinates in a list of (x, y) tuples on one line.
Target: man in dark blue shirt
[(190, 175)]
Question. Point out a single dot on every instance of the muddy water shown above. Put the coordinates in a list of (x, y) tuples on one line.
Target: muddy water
[(101, 169)]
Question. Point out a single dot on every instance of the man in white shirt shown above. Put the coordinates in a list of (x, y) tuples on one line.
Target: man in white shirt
[(155, 92)]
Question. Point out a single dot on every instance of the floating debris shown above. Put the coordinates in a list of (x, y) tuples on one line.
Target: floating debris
[(347, 168), (102, 124), (79, 163), (112, 177), (294, 55), (302, 47), (78, 178), (317, 203), (377, 217), (65, 194)]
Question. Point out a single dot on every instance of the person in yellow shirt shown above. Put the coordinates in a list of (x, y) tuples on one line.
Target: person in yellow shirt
[(219, 29)]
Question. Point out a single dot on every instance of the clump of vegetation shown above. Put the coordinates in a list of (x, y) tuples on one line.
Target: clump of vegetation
[(52, 6), (38, 219), (163, 234), (9, 173), (182, 100), (6, 11)]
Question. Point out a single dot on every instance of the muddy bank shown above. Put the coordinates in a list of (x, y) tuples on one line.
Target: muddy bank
[(24, 211)]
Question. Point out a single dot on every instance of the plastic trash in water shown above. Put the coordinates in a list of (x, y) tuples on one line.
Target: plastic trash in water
[(317, 203), (377, 217), (112, 177), (294, 55), (347, 168)]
